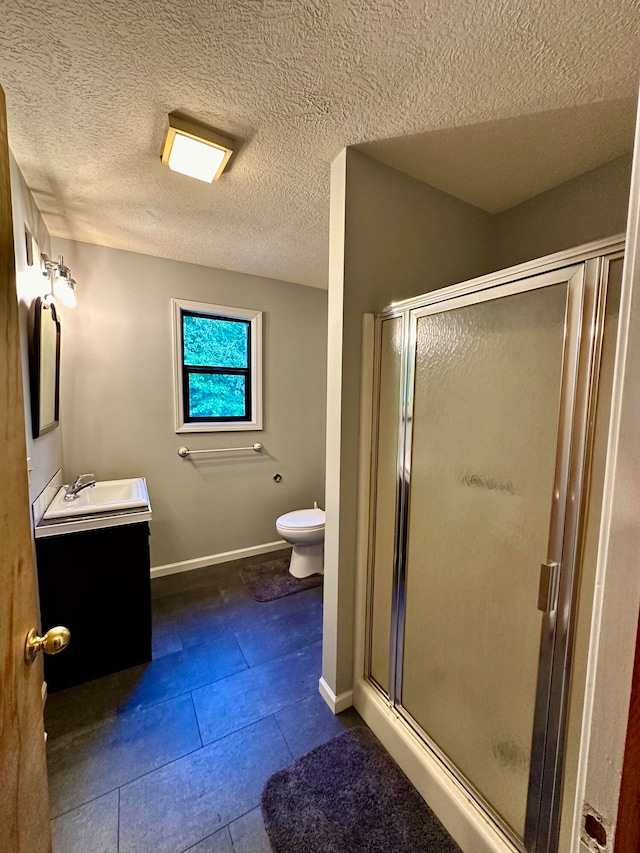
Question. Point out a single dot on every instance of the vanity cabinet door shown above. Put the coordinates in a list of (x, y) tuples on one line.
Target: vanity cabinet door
[(96, 583)]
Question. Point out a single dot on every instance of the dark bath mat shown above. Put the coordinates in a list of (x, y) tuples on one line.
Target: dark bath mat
[(349, 796), (271, 580)]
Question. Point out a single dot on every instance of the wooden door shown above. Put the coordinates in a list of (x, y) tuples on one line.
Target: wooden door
[(628, 823), (24, 804)]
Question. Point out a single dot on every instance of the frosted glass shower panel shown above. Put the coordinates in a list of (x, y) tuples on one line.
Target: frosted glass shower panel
[(483, 458), (384, 497)]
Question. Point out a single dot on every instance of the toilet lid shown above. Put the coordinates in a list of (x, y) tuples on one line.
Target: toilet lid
[(309, 519)]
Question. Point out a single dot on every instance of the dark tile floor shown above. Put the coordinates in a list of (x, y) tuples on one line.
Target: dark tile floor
[(172, 756)]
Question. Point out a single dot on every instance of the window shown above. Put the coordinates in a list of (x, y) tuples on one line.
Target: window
[(218, 364)]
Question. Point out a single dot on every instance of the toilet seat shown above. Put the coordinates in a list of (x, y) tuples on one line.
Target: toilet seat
[(302, 519)]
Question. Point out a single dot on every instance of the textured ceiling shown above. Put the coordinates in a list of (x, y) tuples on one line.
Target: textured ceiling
[(89, 86)]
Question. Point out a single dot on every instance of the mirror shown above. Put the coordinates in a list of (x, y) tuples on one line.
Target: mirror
[(44, 368)]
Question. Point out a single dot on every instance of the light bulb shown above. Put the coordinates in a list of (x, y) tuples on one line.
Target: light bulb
[(64, 291)]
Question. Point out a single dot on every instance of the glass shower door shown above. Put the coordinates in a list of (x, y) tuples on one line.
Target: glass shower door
[(487, 467)]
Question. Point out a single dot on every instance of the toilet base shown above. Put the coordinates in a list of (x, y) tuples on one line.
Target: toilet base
[(307, 560)]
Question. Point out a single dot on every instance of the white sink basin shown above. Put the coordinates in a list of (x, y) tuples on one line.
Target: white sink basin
[(106, 496)]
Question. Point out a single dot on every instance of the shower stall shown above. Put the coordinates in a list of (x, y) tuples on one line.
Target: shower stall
[(489, 429)]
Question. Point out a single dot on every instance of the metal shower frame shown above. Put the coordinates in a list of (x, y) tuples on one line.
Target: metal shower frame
[(586, 278)]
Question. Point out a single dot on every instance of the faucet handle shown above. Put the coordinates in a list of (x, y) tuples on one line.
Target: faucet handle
[(81, 482)]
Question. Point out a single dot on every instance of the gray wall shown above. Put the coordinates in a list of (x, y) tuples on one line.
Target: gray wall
[(400, 238), (404, 237), (117, 399), (45, 452), (589, 207)]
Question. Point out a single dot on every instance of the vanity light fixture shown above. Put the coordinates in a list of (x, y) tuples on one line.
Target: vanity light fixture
[(63, 286), (195, 150)]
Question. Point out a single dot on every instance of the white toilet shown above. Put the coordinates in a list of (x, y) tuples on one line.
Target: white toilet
[(304, 529)]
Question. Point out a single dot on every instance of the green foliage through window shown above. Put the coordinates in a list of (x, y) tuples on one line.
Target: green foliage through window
[(212, 341), (214, 395), (216, 356)]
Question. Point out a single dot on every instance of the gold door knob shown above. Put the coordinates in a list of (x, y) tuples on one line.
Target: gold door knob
[(54, 641)]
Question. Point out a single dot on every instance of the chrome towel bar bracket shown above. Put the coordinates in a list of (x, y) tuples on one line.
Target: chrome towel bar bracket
[(184, 451)]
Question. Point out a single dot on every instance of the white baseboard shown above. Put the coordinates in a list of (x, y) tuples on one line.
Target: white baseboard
[(336, 703), (213, 559)]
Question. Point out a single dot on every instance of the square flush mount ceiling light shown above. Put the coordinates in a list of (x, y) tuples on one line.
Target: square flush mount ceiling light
[(195, 150)]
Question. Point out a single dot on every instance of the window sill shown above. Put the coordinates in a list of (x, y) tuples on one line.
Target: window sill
[(220, 427)]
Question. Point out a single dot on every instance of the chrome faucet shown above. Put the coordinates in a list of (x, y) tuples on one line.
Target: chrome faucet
[(74, 489)]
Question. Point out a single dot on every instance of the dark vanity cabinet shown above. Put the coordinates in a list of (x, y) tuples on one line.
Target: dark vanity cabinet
[(97, 584)]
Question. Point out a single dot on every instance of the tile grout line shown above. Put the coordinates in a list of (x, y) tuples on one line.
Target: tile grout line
[(244, 657), (253, 723), (226, 826), (88, 802), (120, 714), (206, 837), (128, 782), (118, 837), (119, 808), (244, 814), (195, 714), (259, 806), (258, 719), (235, 732), (169, 763), (91, 727), (282, 734)]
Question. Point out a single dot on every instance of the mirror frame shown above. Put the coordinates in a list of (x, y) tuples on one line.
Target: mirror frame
[(44, 312)]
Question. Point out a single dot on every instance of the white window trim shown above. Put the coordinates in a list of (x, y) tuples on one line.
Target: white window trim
[(255, 319)]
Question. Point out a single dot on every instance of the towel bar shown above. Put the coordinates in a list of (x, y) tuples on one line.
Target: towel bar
[(184, 451)]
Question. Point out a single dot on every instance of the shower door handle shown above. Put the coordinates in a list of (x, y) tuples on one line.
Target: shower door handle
[(548, 589)]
